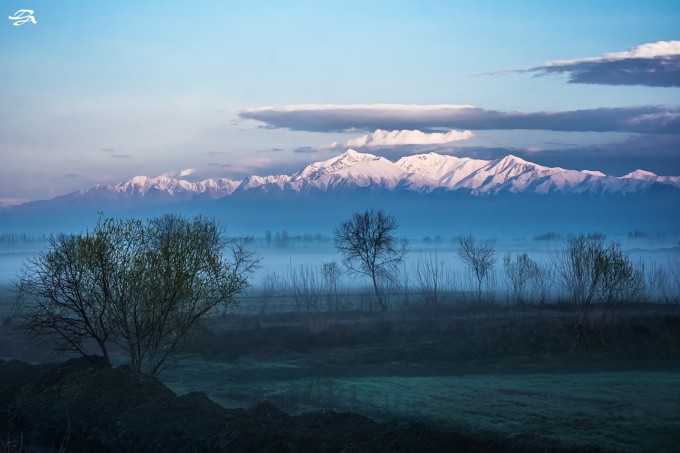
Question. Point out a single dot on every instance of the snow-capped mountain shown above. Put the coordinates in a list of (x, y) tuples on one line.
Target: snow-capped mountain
[(349, 169), (142, 185), (422, 173), (440, 170), (516, 175)]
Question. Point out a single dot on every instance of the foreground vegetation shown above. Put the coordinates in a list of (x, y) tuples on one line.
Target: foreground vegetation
[(501, 375), (503, 378), (580, 351)]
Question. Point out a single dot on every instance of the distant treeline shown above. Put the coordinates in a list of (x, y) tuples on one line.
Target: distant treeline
[(22, 238), (284, 239)]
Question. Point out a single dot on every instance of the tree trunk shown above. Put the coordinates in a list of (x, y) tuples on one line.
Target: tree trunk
[(105, 352), (378, 294)]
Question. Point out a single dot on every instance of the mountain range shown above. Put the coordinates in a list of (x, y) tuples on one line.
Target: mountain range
[(428, 193), (422, 173)]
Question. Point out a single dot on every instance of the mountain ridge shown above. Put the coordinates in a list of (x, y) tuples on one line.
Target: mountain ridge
[(421, 172)]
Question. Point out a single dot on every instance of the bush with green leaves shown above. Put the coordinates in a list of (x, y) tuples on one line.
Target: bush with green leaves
[(139, 285)]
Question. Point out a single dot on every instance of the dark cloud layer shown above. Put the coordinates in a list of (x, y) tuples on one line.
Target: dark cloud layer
[(653, 72), (306, 150), (657, 153), (654, 64), (335, 118)]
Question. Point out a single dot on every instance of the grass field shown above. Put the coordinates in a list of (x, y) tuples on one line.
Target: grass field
[(619, 401), (509, 375)]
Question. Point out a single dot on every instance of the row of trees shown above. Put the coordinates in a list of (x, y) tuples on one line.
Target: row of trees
[(22, 238), (142, 286)]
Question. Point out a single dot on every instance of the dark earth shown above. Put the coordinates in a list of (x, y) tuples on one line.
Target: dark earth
[(82, 406)]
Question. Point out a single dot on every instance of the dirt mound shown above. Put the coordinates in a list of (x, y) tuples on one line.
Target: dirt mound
[(83, 405)]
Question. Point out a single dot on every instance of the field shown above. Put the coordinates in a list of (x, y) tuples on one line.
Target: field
[(502, 376), (489, 369)]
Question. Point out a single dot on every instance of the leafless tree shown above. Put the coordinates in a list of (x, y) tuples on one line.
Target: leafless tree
[(332, 281), (620, 281), (305, 287), (142, 286), (479, 257), (369, 247), (432, 277), (521, 274), (597, 275), (543, 285), (577, 274), (658, 283), (674, 276), (271, 290)]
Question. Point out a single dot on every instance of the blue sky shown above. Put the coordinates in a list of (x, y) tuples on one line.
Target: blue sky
[(97, 92)]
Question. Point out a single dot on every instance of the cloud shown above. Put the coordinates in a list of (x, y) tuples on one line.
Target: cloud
[(560, 144), (656, 153), (310, 150), (660, 119), (7, 202), (107, 150), (179, 174), (122, 156), (655, 65), (248, 164), (405, 137)]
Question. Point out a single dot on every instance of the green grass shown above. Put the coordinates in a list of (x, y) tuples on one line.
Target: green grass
[(622, 411)]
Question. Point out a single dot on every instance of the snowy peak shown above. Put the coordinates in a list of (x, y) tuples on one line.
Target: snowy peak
[(349, 169), (436, 166), (142, 185), (640, 174), (336, 164), (593, 173), (267, 183), (511, 161), (441, 171)]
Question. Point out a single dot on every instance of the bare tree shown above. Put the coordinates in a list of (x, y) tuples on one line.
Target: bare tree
[(369, 247), (658, 284), (271, 289), (305, 287), (521, 274), (619, 281), (674, 276), (332, 275), (479, 257), (576, 272), (432, 277), (596, 275), (543, 285), (142, 286)]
